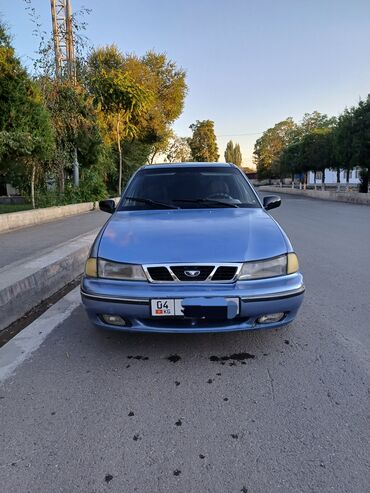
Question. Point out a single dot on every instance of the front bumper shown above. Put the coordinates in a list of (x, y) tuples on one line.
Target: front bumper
[(131, 300)]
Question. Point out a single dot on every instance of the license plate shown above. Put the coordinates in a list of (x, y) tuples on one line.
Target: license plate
[(173, 307)]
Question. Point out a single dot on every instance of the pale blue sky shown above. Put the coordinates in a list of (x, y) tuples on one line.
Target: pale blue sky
[(250, 63)]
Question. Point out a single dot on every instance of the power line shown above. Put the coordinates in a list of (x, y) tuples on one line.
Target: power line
[(239, 135)]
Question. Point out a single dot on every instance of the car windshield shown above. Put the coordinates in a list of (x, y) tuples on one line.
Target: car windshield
[(189, 188)]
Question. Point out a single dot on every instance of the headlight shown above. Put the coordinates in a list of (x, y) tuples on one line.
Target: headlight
[(277, 266), (115, 270)]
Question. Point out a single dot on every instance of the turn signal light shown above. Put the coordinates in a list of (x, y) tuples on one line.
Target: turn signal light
[(292, 265), (91, 268)]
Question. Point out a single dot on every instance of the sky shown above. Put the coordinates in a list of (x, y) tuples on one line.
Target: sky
[(249, 64)]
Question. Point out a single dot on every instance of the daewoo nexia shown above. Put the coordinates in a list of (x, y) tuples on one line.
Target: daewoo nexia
[(190, 247)]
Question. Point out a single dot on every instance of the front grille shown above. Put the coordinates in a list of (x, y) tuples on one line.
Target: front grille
[(192, 272), (160, 274), (224, 273)]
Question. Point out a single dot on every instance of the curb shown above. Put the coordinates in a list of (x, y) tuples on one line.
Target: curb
[(24, 285), (349, 197)]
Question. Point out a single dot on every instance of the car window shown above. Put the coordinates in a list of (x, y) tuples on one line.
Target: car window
[(188, 188)]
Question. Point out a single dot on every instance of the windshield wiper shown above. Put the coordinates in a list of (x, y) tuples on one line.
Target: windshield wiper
[(207, 201), (152, 202)]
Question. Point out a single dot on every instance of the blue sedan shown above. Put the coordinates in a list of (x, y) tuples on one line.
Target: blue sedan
[(191, 248)]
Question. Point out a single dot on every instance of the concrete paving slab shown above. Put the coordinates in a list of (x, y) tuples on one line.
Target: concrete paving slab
[(29, 242)]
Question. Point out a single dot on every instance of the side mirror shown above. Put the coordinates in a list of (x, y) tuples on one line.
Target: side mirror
[(107, 206), (271, 202)]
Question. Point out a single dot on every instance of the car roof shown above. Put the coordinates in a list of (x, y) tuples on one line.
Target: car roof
[(185, 165)]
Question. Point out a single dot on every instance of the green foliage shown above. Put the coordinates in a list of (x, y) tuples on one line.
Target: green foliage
[(313, 121), (203, 143), (4, 37), (352, 140), (121, 109), (7, 208), (229, 152), (290, 148), (167, 84), (269, 147), (233, 153), (121, 100), (26, 134), (75, 124), (178, 150), (237, 155)]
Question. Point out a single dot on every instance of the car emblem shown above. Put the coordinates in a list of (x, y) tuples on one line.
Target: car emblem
[(192, 273)]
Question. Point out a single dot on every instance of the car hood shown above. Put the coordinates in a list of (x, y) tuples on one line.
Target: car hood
[(191, 236)]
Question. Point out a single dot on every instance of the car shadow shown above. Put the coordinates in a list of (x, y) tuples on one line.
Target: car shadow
[(151, 345)]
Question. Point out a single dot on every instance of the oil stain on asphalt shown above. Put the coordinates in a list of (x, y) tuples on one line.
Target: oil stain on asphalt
[(174, 358), (108, 478), (234, 357)]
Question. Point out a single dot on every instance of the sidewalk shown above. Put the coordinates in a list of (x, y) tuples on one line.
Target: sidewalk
[(25, 243), (349, 197)]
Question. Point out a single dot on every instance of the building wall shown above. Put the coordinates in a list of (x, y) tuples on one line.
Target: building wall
[(10, 190), (331, 177)]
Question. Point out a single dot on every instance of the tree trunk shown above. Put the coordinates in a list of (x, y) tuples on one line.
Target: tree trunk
[(347, 180), (61, 181), (76, 170), (305, 181), (338, 179), (323, 180), (33, 176), (364, 180), (120, 156), (151, 158)]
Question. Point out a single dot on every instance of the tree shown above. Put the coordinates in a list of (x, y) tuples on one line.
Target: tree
[(316, 152), (26, 134), (289, 160), (168, 86), (178, 150), (233, 153), (160, 147), (352, 140), (237, 155), (75, 124), (122, 100), (313, 121), (268, 148), (229, 152), (203, 143)]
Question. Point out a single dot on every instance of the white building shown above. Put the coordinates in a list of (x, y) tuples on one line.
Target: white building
[(331, 177)]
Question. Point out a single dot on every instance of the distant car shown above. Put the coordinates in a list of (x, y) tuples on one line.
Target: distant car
[(191, 248)]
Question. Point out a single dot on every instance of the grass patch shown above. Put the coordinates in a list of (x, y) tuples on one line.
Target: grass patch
[(6, 208)]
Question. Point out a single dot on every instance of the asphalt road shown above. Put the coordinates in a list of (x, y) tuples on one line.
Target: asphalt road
[(29, 242), (95, 412)]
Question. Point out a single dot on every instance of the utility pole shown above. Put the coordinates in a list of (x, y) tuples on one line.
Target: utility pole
[(65, 62)]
